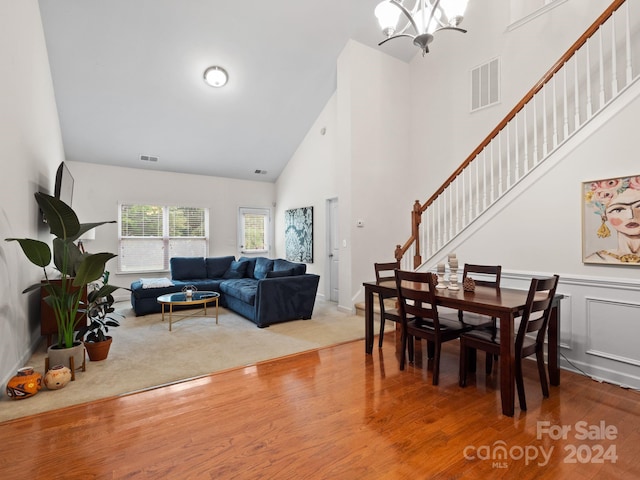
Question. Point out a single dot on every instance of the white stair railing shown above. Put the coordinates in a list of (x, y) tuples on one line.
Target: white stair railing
[(598, 68)]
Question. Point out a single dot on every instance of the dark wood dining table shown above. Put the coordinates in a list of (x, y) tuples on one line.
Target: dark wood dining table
[(506, 304)]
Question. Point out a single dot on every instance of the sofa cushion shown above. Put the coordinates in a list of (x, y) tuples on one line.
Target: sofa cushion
[(217, 266), (185, 268), (201, 284), (263, 266), (279, 273), (251, 263), (243, 289), (235, 270), (282, 264)]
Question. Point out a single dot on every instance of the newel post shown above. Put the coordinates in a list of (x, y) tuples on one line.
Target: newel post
[(416, 216), (398, 253)]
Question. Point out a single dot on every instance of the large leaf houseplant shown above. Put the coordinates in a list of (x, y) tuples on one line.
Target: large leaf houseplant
[(76, 268)]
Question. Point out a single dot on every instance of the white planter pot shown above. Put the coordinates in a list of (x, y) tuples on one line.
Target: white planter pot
[(60, 356)]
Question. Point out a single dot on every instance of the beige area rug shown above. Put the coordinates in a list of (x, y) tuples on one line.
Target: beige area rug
[(144, 354)]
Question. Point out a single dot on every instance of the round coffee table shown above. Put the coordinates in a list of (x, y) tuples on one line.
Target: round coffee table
[(198, 297)]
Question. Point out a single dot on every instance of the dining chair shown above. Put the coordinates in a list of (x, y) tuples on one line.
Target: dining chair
[(419, 317), (535, 318), (489, 276), (385, 272)]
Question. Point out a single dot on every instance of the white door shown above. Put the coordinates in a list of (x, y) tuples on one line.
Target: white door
[(334, 249)]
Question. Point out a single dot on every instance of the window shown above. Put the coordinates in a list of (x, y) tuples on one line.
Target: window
[(254, 230), (149, 235)]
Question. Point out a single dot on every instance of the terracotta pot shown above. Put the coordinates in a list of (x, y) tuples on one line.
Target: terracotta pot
[(25, 384), (60, 356), (57, 377), (98, 350)]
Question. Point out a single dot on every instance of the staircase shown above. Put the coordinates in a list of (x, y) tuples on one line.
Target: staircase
[(596, 70)]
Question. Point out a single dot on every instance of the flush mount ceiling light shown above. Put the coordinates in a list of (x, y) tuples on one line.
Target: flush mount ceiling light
[(216, 76), (423, 19)]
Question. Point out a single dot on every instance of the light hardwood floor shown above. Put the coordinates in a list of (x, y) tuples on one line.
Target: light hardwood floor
[(334, 413)]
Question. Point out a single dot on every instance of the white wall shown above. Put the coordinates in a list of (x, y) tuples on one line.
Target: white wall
[(362, 161), (99, 188), (310, 179), (380, 104), (30, 151)]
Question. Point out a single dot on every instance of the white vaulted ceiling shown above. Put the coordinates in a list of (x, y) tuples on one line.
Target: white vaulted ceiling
[(127, 76)]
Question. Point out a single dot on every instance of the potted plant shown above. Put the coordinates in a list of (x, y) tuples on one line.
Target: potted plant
[(100, 313), (77, 269)]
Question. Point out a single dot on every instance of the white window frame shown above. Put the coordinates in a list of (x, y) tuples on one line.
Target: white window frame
[(166, 239), (242, 211)]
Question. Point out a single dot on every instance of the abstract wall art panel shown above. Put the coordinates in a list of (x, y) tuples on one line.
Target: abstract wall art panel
[(298, 234)]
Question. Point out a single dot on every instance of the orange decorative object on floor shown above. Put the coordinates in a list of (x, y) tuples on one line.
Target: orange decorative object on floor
[(57, 377), (25, 384)]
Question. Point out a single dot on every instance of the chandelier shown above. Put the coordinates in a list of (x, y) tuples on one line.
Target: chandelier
[(423, 19)]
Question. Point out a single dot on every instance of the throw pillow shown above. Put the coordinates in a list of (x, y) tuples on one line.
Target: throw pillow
[(251, 263), (235, 270), (282, 264), (280, 273), (263, 266)]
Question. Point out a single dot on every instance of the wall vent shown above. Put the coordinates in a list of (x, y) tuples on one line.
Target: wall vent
[(148, 158), (485, 85)]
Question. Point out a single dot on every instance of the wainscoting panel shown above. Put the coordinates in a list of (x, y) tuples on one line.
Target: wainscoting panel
[(599, 325), (613, 330)]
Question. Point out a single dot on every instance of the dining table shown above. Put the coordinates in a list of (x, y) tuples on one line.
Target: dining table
[(505, 304)]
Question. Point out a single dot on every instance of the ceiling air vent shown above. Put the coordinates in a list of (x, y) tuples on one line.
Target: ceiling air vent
[(485, 85), (148, 158), (262, 172)]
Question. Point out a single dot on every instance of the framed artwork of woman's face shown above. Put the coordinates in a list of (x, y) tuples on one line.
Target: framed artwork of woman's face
[(611, 221)]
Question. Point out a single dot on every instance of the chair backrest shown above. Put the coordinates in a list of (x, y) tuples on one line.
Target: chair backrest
[(416, 296), (493, 272), (384, 271), (535, 316)]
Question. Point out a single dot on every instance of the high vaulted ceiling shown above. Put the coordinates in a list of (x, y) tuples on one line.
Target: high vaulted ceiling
[(127, 76)]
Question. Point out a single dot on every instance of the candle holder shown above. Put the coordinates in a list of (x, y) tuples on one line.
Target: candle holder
[(453, 278), (441, 285), (188, 291)]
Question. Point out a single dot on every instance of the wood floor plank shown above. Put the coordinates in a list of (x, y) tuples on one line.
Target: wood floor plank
[(329, 414)]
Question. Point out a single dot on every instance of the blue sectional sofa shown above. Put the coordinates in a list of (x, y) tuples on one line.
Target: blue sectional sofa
[(264, 290)]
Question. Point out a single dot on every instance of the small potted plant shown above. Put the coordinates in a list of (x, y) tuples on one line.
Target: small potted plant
[(101, 316)]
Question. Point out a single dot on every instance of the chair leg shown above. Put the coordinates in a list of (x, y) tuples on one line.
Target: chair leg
[(471, 359), (543, 374), (462, 374), (411, 347), (381, 331), (436, 363), (520, 384), (488, 363), (403, 352), (430, 349)]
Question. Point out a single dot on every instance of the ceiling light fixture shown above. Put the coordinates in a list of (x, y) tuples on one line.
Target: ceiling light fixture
[(425, 18), (216, 76)]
